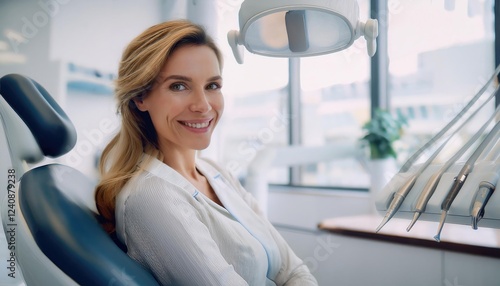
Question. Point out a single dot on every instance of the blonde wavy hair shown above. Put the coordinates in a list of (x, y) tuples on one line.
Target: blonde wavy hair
[(140, 65)]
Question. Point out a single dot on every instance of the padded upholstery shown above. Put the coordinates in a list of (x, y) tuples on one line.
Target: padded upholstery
[(17, 143), (50, 126), (66, 230), (59, 236)]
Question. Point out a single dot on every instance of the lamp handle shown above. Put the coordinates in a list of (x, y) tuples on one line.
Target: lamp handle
[(238, 52), (370, 32)]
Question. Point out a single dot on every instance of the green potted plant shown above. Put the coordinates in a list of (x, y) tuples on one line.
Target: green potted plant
[(381, 133)]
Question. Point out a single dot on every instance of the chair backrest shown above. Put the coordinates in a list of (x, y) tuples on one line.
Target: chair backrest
[(58, 235)]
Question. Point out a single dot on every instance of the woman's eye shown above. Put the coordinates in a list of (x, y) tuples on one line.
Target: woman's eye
[(177, 87), (213, 86)]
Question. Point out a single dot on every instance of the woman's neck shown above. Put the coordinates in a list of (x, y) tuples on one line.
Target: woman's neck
[(183, 162)]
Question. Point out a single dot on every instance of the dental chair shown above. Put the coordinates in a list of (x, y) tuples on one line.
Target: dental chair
[(48, 211)]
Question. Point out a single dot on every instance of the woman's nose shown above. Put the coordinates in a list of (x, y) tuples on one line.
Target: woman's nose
[(200, 102)]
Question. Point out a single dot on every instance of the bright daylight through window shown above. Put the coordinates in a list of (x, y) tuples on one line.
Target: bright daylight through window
[(434, 68)]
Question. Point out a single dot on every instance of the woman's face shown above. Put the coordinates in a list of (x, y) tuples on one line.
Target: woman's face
[(186, 101)]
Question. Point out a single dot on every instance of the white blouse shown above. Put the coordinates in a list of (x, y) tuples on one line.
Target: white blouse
[(185, 238)]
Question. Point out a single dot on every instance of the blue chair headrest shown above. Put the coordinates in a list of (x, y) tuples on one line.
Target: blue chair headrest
[(52, 129)]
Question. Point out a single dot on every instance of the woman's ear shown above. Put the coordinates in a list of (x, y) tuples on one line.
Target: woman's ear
[(139, 103)]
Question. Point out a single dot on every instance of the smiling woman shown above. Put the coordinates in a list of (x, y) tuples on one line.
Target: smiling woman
[(185, 102), (184, 218)]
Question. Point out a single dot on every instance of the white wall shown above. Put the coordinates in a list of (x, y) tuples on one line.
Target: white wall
[(94, 33), (307, 208), (25, 30)]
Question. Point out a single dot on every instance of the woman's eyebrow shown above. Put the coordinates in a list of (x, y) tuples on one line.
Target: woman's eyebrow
[(188, 79), (177, 77), (215, 78)]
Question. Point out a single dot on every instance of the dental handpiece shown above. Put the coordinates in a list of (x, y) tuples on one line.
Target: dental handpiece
[(433, 181), (401, 194), (397, 200), (462, 176), (486, 188)]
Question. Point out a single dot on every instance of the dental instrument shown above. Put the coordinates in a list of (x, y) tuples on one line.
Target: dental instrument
[(462, 176), (485, 190), (487, 185), (401, 194), (433, 181)]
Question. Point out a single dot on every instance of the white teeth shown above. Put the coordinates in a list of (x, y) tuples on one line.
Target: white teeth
[(197, 125)]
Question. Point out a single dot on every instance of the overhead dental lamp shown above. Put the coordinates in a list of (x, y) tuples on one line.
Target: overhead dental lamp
[(300, 28)]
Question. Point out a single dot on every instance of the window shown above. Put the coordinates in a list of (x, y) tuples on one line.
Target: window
[(436, 66), (335, 103), (439, 54)]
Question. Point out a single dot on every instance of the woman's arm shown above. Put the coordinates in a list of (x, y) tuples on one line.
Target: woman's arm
[(163, 231)]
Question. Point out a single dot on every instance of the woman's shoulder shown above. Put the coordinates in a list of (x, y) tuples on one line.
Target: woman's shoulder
[(153, 173), (147, 193), (154, 180), (146, 184)]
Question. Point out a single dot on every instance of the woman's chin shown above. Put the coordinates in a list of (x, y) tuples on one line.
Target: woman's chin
[(201, 145)]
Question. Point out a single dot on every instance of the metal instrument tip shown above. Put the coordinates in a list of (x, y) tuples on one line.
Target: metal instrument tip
[(416, 215), (387, 217), (477, 215), (482, 197), (393, 208), (437, 237), (475, 220)]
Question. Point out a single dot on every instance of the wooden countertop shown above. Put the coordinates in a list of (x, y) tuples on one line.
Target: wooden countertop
[(454, 237)]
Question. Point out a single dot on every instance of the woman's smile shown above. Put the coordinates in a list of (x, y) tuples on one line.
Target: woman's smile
[(197, 126)]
